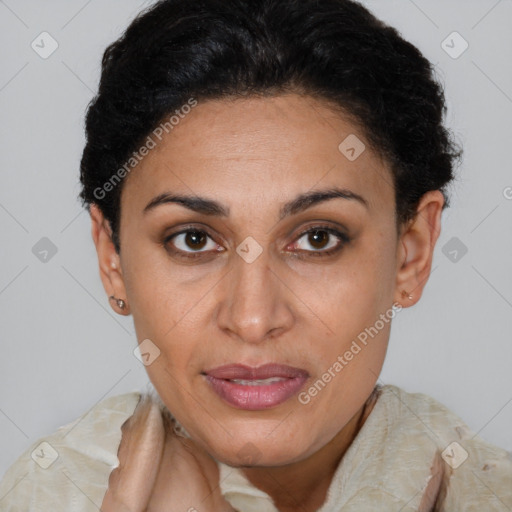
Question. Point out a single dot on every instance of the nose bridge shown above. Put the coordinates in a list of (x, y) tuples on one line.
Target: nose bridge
[(251, 278), (253, 305)]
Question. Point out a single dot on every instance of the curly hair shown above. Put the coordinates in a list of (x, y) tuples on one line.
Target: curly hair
[(333, 50)]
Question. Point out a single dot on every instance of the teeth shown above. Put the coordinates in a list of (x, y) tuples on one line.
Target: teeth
[(257, 382)]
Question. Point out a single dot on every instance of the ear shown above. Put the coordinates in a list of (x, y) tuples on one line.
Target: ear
[(416, 248), (108, 260)]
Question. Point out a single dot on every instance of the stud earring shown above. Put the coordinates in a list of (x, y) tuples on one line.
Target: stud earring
[(121, 304), (404, 294)]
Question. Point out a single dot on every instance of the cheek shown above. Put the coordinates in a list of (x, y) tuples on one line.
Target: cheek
[(355, 309), (165, 312), (352, 294), (151, 289)]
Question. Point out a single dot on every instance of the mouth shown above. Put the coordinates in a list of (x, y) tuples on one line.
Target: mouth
[(250, 388)]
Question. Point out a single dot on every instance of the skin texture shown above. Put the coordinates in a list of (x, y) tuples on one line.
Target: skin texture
[(252, 155)]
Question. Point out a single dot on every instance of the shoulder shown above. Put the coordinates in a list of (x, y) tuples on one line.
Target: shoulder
[(69, 469), (477, 474)]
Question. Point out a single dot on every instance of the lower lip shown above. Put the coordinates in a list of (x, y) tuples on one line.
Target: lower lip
[(255, 398)]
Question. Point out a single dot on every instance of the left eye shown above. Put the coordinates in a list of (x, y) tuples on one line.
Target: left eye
[(321, 239)]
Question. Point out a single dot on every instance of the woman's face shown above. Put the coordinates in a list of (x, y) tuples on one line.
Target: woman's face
[(247, 286)]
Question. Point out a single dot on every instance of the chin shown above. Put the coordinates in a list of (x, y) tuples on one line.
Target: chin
[(250, 450)]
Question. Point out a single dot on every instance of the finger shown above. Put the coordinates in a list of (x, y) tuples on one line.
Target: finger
[(131, 483), (434, 491)]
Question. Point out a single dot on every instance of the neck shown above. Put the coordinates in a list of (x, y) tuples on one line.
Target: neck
[(303, 485)]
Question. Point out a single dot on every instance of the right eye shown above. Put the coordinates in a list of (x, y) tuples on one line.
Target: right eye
[(190, 243)]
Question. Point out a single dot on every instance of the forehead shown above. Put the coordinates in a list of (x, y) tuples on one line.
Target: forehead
[(259, 149)]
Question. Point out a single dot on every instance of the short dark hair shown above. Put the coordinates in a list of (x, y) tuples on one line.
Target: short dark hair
[(334, 50)]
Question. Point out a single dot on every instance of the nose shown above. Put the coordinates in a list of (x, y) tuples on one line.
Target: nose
[(255, 303)]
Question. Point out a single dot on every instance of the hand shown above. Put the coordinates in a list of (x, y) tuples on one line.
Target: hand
[(188, 480), (161, 472)]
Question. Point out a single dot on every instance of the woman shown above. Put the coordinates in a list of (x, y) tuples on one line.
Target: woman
[(265, 181)]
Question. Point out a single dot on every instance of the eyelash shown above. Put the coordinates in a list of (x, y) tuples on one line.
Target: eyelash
[(343, 237)]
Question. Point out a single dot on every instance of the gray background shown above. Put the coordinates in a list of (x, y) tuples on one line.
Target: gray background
[(64, 349)]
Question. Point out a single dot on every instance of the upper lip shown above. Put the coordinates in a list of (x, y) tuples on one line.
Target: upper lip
[(266, 371)]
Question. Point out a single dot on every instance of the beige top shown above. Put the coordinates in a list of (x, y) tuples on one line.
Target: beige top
[(388, 467)]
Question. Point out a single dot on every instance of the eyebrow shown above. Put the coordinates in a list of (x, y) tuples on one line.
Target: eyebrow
[(210, 207)]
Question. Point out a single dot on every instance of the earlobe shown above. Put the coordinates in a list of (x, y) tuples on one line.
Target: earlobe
[(108, 261), (416, 248)]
